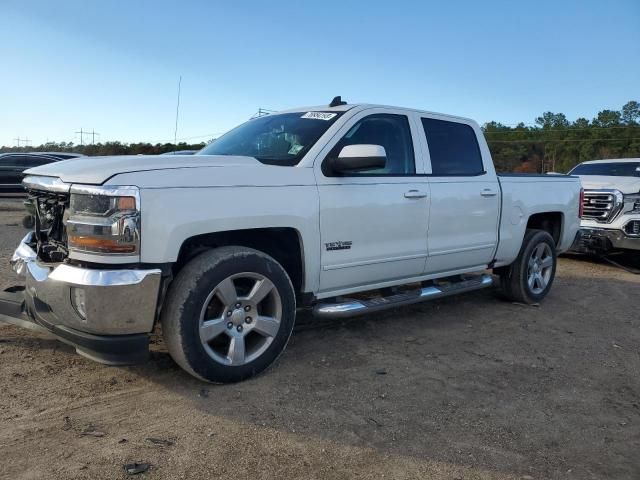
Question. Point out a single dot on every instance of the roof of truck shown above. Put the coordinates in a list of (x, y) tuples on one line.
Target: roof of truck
[(363, 106)]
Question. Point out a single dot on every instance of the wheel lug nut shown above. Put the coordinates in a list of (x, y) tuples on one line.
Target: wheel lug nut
[(238, 305), (239, 328), (247, 308), (229, 313), (230, 325), (248, 319)]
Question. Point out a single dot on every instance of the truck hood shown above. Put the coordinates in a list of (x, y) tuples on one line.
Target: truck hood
[(97, 170), (625, 184)]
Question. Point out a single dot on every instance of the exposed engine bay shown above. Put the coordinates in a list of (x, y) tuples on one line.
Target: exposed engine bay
[(50, 230)]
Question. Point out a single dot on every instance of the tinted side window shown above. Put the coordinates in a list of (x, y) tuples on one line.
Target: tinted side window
[(8, 161), (29, 162), (388, 130), (453, 148)]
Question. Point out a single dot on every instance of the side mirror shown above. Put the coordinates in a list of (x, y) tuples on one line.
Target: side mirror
[(353, 158)]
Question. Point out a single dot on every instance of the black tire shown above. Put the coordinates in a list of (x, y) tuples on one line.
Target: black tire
[(514, 278), (185, 302)]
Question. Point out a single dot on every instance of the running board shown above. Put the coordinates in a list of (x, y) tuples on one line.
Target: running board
[(353, 307)]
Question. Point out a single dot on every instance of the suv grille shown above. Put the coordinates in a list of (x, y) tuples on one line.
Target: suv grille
[(602, 205)]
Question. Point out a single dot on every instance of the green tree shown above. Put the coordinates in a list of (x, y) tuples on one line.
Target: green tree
[(608, 118), (631, 112), (552, 120)]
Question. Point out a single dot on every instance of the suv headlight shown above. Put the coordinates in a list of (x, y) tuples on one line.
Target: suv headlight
[(632, 203), (104, 220)]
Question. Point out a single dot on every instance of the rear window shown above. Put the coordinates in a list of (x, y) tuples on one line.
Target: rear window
[(610, 169), (453, 148)]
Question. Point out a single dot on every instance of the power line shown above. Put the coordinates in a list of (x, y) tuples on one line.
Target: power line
[(262, 112), (538, 140), (84, 132), (81, 132), (555, 129), (25, 140)]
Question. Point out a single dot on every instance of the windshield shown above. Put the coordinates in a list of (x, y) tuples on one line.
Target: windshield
[(612, 169), (280, 139)]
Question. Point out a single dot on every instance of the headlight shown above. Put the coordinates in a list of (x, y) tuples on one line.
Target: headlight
[(632, 203), (104, 220)]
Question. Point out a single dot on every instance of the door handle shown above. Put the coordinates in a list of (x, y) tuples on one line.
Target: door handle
[(487, 192), (414, 194)]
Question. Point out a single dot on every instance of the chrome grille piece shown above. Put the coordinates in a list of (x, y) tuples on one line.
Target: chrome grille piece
[(602, 205)]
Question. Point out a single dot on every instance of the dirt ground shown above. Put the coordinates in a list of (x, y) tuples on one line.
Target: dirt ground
[(470, 387)]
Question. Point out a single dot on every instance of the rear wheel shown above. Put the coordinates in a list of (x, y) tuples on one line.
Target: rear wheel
[(228, 314), (529, 278)]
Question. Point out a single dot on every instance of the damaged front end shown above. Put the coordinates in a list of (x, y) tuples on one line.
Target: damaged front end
[(106, 313)]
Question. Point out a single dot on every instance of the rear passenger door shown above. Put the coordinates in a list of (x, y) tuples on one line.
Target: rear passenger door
[(465, 199)]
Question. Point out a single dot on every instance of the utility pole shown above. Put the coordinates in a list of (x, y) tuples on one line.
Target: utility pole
[(25, 140), (81, 132), (93, 135), (262, 112)]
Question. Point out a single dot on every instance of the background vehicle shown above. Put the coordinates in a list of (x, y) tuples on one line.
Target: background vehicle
[(307, 208), (181, 152), (611, 219), (13, 164)]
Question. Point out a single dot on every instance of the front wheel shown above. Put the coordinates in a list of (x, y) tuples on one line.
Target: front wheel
[(529, 278), (228, 314)]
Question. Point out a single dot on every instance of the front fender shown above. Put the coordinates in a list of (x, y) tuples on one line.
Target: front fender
[(171, 216)]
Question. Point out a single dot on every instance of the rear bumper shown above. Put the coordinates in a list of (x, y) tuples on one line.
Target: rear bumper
[(106, 314), (603, 240)]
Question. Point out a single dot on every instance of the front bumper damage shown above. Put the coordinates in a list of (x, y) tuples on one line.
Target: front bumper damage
[(602, 240), (106, 314)]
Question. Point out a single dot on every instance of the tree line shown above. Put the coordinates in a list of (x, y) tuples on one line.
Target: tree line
[(108, 148), (556, 144), (553, 143)]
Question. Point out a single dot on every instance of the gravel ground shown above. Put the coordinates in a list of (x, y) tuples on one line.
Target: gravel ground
[(470, 387)]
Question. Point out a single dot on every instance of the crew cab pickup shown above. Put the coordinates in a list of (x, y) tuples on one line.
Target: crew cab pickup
[(341, 209), (611, 219)]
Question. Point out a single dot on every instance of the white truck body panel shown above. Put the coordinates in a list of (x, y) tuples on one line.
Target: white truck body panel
[(400, 228), (523, 196)]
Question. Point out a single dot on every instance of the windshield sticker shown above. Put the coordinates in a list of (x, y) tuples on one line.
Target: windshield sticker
[(295, 149), (319, 115)]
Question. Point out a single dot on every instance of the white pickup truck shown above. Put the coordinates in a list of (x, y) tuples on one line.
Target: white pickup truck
[(611, 219), (342, 209)]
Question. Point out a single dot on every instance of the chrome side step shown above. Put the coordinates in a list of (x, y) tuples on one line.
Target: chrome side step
[(353, 307)]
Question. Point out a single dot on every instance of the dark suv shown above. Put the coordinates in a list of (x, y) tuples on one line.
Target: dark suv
[(13, 164)]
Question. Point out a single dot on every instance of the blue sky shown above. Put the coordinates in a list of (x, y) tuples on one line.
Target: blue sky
[(113, 66)]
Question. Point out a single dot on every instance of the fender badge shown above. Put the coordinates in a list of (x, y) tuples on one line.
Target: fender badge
[(340, 245)]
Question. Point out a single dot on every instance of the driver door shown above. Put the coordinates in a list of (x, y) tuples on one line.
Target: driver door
[(373, 223)]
